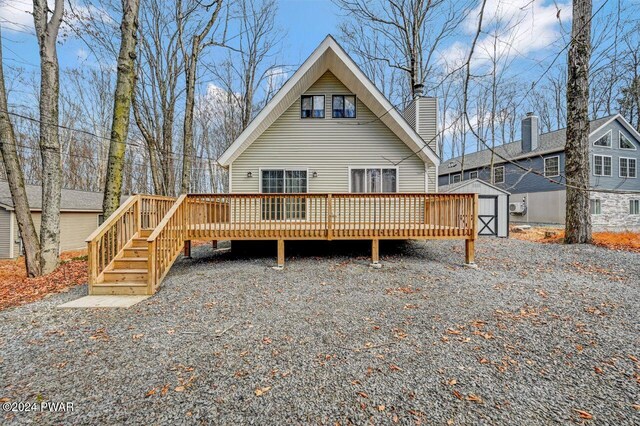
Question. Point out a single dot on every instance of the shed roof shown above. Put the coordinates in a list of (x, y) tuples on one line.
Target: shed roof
[(71, 199), (547, 143), (456, 187)]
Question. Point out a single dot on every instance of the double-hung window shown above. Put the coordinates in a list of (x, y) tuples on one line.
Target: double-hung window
[(473, 175), (601, 165), (595, 206), (552, 166), (634, 206), (455, 178), (372, 180), (344, 106), (628, 167), (312, 106), (280, 181), (498, 174)]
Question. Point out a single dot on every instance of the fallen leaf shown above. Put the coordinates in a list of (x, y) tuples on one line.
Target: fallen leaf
[(474, 398), (362, 394), (2, 400), (164, 390), (151, 392), (394, 367), (262, 391), (450, 331), (137, 336), (179, 389), (583, 414), (452, 382), (484, 361), (634, 406), (457, 394), (598, 370), (633, 358), (381, 407)]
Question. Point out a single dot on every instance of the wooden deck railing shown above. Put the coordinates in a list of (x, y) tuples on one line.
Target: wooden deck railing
[(136, 213), (330, 216), (166, 242)]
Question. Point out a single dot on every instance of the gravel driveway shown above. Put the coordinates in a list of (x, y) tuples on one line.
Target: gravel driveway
[(539, 334)]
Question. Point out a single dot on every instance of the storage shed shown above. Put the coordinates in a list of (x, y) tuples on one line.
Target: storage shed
[(493, 205)]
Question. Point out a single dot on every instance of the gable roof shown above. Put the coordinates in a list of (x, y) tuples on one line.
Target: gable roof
[(458, 185), (547, 143), (329, 56), (71, 199)]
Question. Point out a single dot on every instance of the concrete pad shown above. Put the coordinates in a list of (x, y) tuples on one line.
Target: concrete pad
[(104, 302)]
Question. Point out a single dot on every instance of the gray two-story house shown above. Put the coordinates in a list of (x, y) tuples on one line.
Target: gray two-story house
[(534, 173)]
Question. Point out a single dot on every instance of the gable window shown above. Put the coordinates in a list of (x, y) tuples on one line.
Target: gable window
[(312, 106), (374, 180), (552, 166), (498, 174), (634, 206), (627, 167), (344, 106), (280, 181), (625, 143), (595, 206), (473, 175), (601, 165), (604, 141), (455, 178)]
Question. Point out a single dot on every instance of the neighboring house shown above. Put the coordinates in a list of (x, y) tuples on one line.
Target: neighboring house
[(80, 213), (614, 154), (329, 129)]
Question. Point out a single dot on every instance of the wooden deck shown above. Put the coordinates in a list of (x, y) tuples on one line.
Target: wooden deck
[(134, 249)]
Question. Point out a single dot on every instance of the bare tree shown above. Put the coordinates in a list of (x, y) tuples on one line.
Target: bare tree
[(191, 57), (578, 217), (121, 106), (15, 178), (47, 23)]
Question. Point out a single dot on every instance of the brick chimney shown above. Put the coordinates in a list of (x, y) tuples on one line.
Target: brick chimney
[(529, 132)]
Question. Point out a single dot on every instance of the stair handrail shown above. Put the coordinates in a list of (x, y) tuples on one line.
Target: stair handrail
[(101, 253), (169, 249)]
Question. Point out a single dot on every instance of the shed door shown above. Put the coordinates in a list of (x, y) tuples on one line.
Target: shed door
[(488, 215)]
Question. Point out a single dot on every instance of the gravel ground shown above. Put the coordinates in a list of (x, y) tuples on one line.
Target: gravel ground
[(539, 334)]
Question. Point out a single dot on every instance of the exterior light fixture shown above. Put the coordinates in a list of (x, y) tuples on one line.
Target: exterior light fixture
[(249, 175), (314, 174)]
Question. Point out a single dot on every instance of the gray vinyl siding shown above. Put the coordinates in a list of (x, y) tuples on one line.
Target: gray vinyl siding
[(410, 114), (329, 147), (517, 180), (614, 181), (5, 234), (427, 121)]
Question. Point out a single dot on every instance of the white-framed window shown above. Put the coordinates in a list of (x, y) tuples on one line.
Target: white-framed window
[(312, 106), (627, 167), (498, 174), (604, 141), (454, 178), (624, 142), (473, 175), (595, 206), (282, 181), (634, 206), (601, 165), (373, 179), (552, 166)]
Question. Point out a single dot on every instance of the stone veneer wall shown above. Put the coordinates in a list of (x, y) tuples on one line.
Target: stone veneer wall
[(615, 212)]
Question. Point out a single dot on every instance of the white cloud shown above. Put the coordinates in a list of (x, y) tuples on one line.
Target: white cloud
[(82, 54), (275, 78), (15, 15), (520, 27)]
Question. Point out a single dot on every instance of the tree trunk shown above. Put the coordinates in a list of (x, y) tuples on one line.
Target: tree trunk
[(15, 179), (187, 150), (47, 34), (121, 106), (578, 217)]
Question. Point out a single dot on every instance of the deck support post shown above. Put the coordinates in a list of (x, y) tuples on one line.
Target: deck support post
[(469, 253), (214, 244), (187, 248), (280, 254), (375, 253)]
